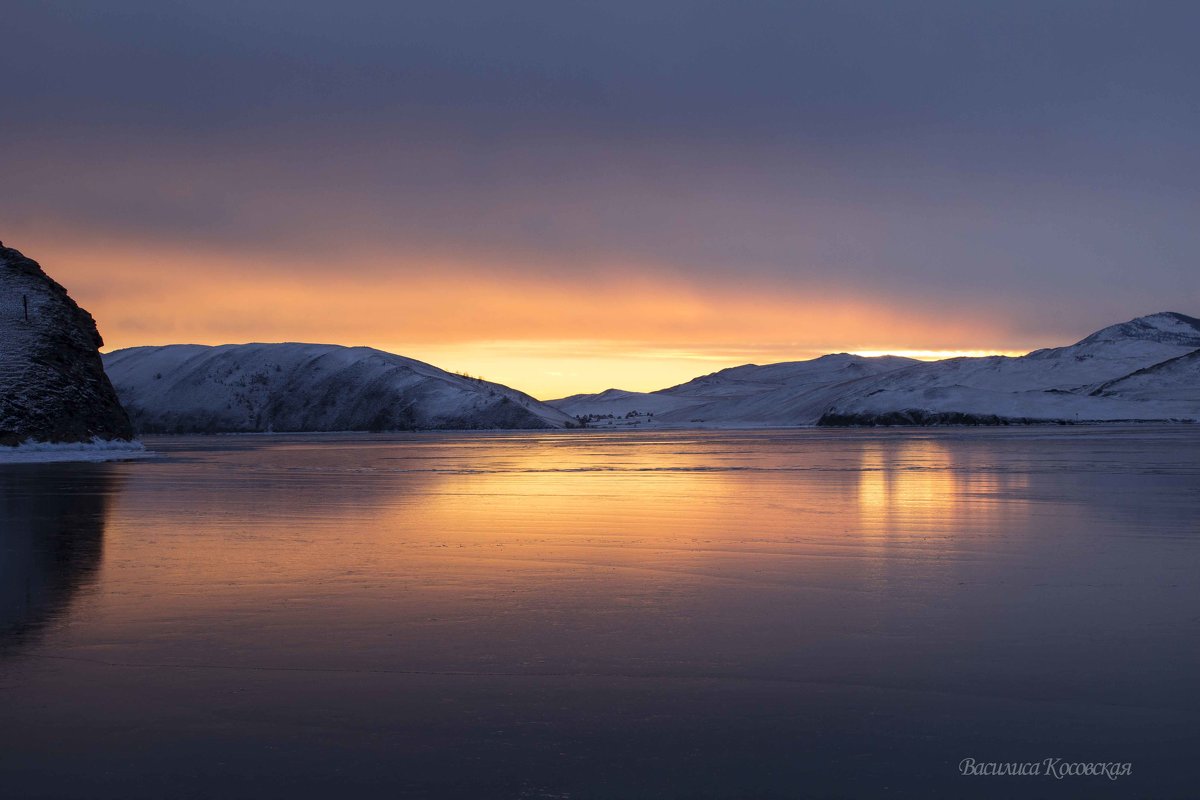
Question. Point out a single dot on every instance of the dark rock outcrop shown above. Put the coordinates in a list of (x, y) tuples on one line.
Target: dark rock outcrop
[(52, 382), (916, 417)]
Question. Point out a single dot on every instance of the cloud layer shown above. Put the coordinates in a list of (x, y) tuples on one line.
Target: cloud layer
[(701, 177)]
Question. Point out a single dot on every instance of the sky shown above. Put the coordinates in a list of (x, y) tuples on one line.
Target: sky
[(568, 196)]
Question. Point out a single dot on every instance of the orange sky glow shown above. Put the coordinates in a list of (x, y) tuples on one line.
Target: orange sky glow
[(639, 329), (569, 197)]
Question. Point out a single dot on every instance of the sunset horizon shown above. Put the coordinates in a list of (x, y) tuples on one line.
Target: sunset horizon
[(599, 400), (655, 183), (136, 305)]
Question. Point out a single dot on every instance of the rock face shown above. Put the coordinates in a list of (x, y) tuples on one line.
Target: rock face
[(309, 387), (52, 382)]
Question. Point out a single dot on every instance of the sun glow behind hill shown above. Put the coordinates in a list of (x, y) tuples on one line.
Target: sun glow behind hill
[(639, 328), (938, 355), (549, 370)]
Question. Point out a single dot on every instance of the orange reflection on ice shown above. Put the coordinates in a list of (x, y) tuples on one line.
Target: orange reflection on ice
[(919, 486)]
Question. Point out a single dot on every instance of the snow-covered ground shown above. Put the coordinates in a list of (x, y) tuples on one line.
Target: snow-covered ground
[(42, 452)]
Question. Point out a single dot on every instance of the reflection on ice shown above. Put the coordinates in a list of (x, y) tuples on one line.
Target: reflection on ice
[(920, 486), (50, 547), (726, 614)]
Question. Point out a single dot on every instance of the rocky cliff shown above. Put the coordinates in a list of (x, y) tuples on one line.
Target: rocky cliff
[(52, 382)]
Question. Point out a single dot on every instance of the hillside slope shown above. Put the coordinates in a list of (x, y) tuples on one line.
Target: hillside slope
[(789, 393), (1137, 370), (308, 387), (1144, 369)]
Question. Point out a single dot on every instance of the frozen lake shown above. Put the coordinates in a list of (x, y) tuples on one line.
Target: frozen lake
[(768, 614)]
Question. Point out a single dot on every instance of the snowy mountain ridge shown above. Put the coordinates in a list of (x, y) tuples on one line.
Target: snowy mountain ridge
[(1084, 382), (1144, 369), (1167, 327), (787, 393)]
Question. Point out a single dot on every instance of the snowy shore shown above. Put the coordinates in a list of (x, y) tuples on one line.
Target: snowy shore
[(32, 452)]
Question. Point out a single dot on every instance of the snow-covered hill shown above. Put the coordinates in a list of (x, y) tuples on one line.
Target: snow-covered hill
[(308, 387), (791, 393), (52, 384), (1144, 369), (1176, 379), (619, 403)]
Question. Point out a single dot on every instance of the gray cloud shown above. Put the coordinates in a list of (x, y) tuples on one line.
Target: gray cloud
[(1038, 155)]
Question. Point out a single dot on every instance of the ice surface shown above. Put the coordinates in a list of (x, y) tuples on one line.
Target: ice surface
[(806, 613)]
